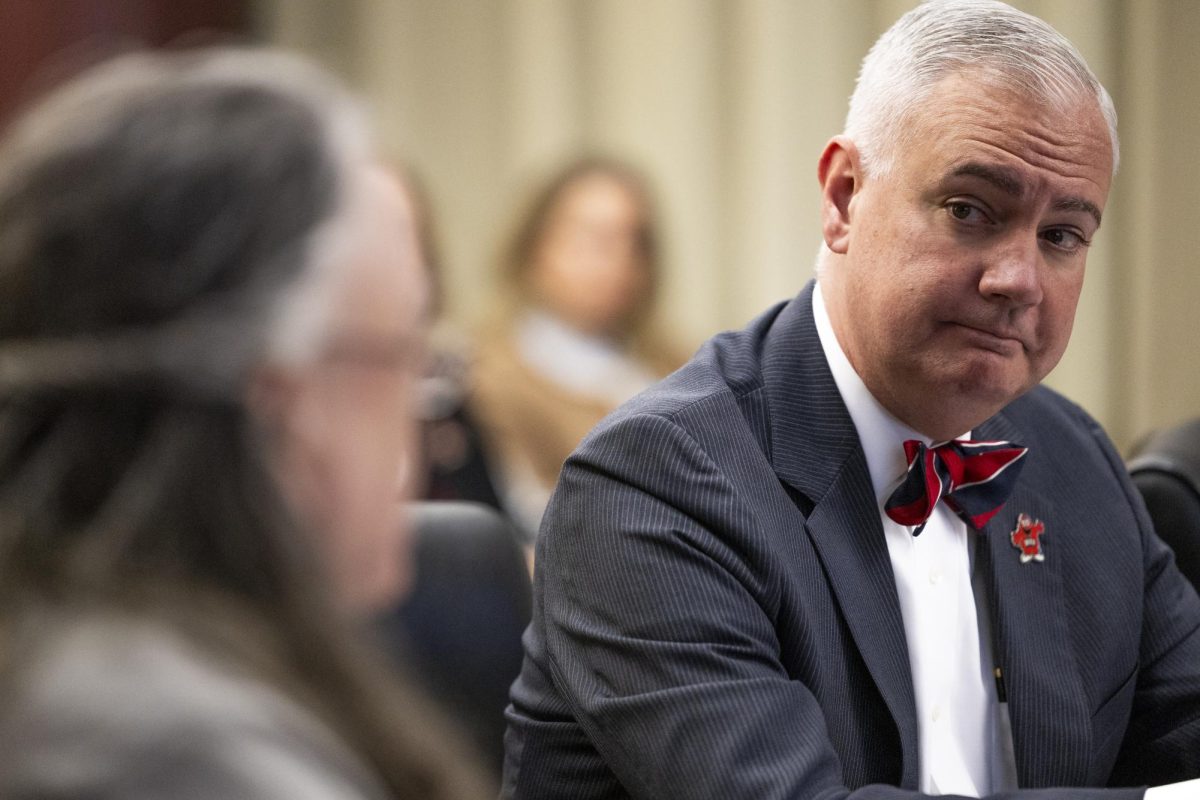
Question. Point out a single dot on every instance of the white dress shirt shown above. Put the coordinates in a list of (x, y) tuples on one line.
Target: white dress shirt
[(965, 745)]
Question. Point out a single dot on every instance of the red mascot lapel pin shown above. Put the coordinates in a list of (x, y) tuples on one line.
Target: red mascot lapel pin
[(1028, 538)]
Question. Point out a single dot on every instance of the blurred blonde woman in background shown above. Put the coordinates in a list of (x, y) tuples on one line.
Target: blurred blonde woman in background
[(575, 337), (210, 313)]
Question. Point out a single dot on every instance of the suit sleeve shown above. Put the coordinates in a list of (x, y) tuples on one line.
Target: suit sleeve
[(660, 636)]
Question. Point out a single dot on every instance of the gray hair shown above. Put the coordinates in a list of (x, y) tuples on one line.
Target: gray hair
[(941, 37), (175, 218)]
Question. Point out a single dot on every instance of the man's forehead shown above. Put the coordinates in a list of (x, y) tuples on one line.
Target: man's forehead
[(1013, 140), (997, 93)]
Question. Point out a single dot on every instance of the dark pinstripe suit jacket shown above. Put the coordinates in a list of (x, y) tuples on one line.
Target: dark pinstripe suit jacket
[(716, 617)]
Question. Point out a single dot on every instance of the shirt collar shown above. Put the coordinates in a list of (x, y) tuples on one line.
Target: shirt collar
[(881, 435)]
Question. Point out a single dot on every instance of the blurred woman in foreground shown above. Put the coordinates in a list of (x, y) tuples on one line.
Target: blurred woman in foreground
[(576, 337), (209, 315)]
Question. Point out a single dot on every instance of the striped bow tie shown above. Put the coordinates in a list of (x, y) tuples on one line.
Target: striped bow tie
[(974, 478)]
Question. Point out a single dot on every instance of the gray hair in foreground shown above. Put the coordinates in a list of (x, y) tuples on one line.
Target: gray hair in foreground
[(942, 37), (175, 218), (171, 223)]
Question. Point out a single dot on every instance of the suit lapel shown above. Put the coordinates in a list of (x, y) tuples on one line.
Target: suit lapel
[(815, 449), (850, 542), (1047, 704)]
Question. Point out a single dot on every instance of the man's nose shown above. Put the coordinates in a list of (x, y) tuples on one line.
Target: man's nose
[(1013, 273)]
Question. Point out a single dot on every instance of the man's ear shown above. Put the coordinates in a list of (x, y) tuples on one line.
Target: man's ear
[(840, 176)]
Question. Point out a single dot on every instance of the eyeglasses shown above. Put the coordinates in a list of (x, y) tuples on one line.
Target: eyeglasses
[(376, 352)]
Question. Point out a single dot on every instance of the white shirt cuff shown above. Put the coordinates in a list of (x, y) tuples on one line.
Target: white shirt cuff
[(1185, 790)]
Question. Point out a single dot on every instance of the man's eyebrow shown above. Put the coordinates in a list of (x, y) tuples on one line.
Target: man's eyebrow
[(1077, 204), (1007, 181), (1003, 179)]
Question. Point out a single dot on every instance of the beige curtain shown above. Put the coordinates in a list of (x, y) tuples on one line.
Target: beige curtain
[(727, 104)]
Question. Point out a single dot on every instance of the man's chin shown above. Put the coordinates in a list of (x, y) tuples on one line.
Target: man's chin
[(990, 386)]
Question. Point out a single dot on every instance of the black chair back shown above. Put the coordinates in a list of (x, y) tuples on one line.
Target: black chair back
[(460, 627), (1166, 470)]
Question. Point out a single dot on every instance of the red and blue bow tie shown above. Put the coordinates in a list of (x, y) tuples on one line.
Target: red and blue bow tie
[(973, 478)]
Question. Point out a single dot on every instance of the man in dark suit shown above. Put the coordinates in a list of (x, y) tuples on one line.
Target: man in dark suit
[(854, 550)]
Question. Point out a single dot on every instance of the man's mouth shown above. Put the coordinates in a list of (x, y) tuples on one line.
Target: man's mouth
[(999, 340)]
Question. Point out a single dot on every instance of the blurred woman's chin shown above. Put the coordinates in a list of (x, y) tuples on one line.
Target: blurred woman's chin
[(380, 584)]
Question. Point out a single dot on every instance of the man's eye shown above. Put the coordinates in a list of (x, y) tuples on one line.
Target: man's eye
[(965, 212), (1064, 239)]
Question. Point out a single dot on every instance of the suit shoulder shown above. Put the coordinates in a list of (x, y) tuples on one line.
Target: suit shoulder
[(1044, 410), (1077, 441)]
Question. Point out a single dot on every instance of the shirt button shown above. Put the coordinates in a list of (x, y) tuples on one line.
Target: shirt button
[(935, 577), (937, 713)]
